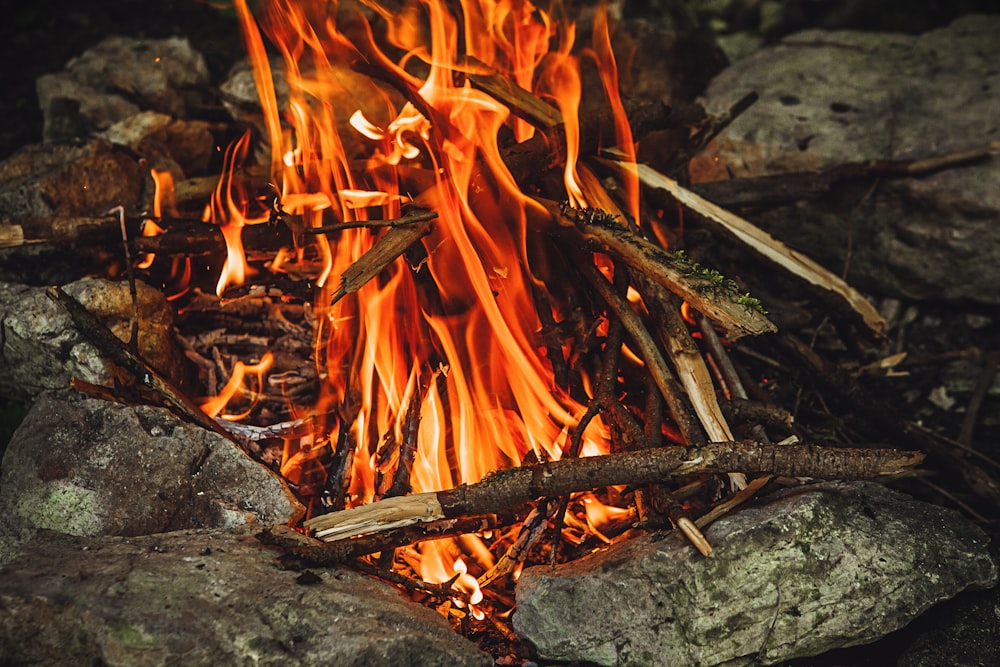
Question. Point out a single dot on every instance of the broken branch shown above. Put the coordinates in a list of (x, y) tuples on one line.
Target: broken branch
[(504, 489)]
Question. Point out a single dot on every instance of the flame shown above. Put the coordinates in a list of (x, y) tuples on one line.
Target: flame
[(213, 406), (463, 341)]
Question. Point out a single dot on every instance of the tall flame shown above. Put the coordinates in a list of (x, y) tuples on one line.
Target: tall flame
[(462, 332)]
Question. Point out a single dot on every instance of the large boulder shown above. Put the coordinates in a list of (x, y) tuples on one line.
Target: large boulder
[(91, 467), (838, 565), (41, 349), (832, 97), (207, 598)]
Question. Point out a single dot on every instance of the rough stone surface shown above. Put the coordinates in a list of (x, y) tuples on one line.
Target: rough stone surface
[(796, 576), (41, 181), (91, 467), (117, 78), (41, 350), (832, 97), (182, 147), (964, 631), (203, 598)]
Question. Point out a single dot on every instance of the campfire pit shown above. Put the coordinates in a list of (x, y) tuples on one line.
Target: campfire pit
[(447, 320)]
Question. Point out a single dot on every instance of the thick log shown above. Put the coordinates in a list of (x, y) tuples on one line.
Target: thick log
[(507, 488)]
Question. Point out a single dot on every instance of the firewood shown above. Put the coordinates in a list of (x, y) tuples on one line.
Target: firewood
[(656, 365), (776, 189), (738, 314), (386, 250), (766, 245), (59, 230), (504, 489), (318, 552)]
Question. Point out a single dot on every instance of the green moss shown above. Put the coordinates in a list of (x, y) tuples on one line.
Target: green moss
[(63, 507), (130, 636)]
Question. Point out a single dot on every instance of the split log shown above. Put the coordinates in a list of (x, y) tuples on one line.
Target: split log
[(508, 488), (386, 250)]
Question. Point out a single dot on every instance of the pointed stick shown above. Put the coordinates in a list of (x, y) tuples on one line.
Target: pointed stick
[(386, 250)]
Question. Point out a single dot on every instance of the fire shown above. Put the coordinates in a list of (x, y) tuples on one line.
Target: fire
[(450, 344)]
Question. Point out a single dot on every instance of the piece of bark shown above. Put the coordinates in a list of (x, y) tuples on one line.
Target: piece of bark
[(386, 250), (507, 488)]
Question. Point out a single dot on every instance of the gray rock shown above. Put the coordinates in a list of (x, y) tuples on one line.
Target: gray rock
[(91, 467), (118, 78), (203, 598), (961, 632), (796, 576), (182, 147), (41, 350), (832, 97), (42, 181)]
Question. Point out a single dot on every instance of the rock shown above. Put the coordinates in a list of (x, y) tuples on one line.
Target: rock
[(963, 631), (827, 98), (42, 181), (840, 565), (183, 147), (42, 350), (204, 598), (91, 467), (117, 78)]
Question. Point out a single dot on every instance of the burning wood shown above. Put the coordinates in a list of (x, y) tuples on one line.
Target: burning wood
[(504, 489), (506, 342)]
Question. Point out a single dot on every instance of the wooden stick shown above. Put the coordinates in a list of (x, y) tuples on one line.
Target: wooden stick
[(656, 365), (386, 250), (664, 268), (766, 245), (508, 488), (776, 189), (330, 553)]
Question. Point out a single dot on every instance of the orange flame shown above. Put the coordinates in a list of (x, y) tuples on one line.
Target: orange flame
[(213, 406), (467, 339)]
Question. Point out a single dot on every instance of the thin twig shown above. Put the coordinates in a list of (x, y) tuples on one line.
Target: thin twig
[(983, 384)]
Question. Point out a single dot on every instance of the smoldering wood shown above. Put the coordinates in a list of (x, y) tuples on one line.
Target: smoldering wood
[(505, 489)]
